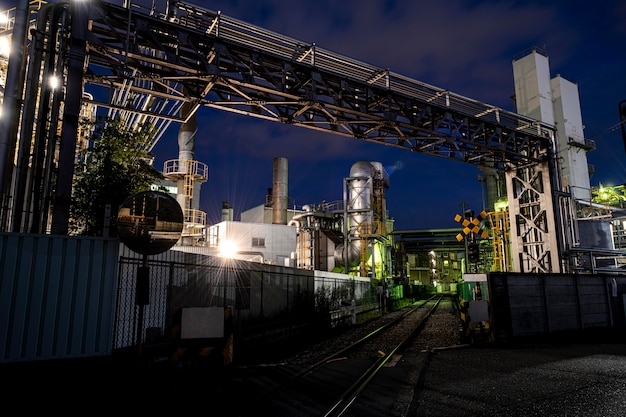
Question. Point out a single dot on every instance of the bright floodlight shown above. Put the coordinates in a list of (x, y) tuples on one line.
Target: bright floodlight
[(227, 249), (54, 82), (5, 46)]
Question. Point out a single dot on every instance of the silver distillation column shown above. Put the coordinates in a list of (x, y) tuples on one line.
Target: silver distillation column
[(357, 214)]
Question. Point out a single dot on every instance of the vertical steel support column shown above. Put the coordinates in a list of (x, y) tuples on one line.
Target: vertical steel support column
[(71, 115), (534, 234), (40, 115), (11, 107)]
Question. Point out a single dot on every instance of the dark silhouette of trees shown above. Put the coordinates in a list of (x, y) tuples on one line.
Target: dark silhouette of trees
[(115, 166)]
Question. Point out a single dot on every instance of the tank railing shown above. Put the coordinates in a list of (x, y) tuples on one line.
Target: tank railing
[(194, 217), (186, 167), (334, 206)]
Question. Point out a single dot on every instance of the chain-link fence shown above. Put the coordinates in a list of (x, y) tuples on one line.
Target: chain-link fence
[(260, 294)]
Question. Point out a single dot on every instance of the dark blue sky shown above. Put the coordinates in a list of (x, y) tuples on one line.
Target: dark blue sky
[(464, 46)]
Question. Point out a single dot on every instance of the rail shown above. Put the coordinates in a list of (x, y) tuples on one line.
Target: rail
[(359, 379), (343, 403)]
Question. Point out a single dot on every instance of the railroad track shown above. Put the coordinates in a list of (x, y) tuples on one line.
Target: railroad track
[(331, 386)]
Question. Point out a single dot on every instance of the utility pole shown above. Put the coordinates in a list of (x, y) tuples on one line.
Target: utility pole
[(463, 204), (622, 119)]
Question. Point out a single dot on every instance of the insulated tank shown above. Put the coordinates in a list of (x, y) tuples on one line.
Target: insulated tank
[(359, 205)]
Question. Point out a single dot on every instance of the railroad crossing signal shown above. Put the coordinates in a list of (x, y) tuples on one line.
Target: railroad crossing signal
[(473, 252), (472, 226)]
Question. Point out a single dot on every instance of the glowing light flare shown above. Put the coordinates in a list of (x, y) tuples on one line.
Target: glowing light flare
[(5, 46), (54, 82), (501, 205), (227, 249)]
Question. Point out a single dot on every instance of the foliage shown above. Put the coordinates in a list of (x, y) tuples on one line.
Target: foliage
[(115, 166)]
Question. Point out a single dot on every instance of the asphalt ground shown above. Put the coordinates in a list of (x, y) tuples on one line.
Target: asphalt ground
[(578, 375), (572, 378)]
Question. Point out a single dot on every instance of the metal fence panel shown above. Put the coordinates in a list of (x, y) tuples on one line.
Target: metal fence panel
[(535, 304), (258, 292), (57, 296)]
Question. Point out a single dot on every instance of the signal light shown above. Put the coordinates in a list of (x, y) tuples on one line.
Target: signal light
[(473, 254)]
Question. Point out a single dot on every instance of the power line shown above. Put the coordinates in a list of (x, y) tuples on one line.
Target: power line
[(608, 130)]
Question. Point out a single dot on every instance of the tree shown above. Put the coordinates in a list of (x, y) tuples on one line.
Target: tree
[(115, 166)]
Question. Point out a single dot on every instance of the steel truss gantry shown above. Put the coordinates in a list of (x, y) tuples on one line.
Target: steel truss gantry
[(148, 63)]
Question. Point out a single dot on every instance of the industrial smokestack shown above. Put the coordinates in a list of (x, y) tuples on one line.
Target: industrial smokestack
[(227, 212), (280, 191)]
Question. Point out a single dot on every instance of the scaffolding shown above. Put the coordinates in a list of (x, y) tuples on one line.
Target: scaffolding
[(500, 231)]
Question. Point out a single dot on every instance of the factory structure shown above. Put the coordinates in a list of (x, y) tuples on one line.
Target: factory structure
[(592, 226), (354, 236)]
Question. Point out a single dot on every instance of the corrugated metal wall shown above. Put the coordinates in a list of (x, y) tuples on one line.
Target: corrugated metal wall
[(57, 296)]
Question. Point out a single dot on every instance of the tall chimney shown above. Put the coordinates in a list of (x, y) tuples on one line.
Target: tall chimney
[(227, 212), (280, 192)]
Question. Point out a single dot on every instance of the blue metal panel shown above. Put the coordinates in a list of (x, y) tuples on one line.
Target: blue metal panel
[(57, 296)]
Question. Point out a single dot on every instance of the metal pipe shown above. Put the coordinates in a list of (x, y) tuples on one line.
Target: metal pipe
[(11, 108), (33, 170), (71, 116)]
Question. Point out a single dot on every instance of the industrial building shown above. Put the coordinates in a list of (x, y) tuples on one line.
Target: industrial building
[(317, 236), (358, 229)]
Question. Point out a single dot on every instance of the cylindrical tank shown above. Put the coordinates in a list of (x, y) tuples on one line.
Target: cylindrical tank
[(354, 253), (359, 205), (360, 194), (279, 191)]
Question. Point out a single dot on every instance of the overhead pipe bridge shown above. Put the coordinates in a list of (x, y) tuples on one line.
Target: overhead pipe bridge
[(201, 56), (152, 62)]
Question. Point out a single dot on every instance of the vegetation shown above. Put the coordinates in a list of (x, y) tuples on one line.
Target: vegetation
[(115, 166)]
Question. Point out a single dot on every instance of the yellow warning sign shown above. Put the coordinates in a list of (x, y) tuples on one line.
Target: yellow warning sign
[(472, 226)]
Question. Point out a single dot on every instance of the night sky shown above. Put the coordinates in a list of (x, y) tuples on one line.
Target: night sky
[(464, 46)]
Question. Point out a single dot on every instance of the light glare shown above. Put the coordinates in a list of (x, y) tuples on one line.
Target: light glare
[(54, 82), (5, 46), (227, 249)]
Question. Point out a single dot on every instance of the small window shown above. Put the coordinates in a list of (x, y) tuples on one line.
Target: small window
[(258, 242)]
